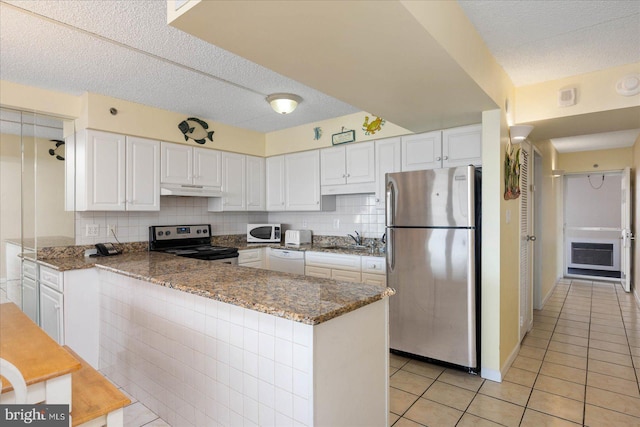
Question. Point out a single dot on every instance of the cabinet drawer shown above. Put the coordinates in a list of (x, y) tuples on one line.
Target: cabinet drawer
[(374, 265), (29, 269), (338, 261), (346, 276), (253, 264), (51, 278), (374, 279), (322, 272), (249, 255)]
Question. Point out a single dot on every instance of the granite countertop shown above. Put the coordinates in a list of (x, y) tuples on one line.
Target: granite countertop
[(303, 299)]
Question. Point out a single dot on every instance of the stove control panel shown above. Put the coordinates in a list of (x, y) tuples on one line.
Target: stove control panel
[(173, 232)]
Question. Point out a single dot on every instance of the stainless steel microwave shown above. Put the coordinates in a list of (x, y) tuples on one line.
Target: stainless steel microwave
[(263, 233)]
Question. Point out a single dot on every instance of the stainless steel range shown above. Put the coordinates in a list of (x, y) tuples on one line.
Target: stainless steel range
[(190, 241)]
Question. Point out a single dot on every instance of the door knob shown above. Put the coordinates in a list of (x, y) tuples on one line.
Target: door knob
[(531, 238)]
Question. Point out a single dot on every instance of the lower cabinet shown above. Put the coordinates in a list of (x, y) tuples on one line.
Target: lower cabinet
[(30, 298), (251, 258), (374, 270), (51, 313), (345, 268)]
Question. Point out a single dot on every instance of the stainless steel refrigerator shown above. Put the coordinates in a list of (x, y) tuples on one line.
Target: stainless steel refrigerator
[(433, 263)]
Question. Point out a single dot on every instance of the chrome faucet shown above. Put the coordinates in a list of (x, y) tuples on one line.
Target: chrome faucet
[(358, 240)]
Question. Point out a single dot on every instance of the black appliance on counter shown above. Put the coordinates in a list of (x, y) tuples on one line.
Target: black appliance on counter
[(190, 241)]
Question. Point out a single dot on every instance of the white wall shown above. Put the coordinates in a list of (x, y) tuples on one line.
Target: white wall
[(353, 212)]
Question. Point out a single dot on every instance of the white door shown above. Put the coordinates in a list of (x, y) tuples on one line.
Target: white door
[(527, 240), (387, 161), (255, 184), (176, 163), (207, 167), (302, 181), (361, 163), (627, 235), (143, 174), (234, 182), (422, 151), (275, 183), (105, 172), (333, 166)]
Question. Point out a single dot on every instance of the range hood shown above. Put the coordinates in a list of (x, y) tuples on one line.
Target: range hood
[(189, 190)]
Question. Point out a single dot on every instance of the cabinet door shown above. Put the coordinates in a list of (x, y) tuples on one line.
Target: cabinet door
[(30, 298), (423, 151), (462, 146), (360, 160), (374, 279), (387, 161), (275, 183), (176, 162), (143, 174), (51, 313), (105, 171), (207, 167), (255, 184), (302, 181), (321, 272), (234, 185), (346, 276), (333, 166)]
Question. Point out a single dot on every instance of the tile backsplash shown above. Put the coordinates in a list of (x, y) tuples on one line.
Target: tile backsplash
[(353, 213)]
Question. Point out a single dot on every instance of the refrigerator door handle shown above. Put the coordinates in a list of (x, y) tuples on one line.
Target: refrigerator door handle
[(390, 202), (391, 260)]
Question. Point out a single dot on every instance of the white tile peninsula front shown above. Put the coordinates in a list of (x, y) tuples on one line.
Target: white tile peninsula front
[(200, 362)]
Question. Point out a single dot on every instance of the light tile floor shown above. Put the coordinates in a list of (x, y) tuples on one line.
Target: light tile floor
[(579, 365)]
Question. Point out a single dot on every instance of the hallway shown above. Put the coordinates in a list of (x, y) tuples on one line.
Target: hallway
[(579, 365)]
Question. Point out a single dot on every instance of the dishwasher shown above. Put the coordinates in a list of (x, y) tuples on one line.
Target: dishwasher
[(286, 261)]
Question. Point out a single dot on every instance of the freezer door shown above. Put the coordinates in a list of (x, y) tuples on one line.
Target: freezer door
[(431, 198), (433, 313)]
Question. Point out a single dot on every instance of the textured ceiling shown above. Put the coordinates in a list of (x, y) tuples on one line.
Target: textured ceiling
[(537, 41), (125, 49)]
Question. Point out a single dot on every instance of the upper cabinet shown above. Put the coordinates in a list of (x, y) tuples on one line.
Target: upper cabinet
[(388, 160), (115, 172), (462, 146), (186, 165), (293, 183), (242, 184), (442, 149), (348, 169)]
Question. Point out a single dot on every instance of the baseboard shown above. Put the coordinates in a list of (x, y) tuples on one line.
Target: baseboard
[(548, 295), (635, 294), (497, 376)]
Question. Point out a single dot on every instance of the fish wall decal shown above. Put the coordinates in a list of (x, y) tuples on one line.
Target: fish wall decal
[(195, 129)]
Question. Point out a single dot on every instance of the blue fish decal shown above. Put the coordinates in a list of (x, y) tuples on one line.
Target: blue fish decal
[(195, 129)]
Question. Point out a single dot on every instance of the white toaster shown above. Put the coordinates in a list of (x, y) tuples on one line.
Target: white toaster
[(297, 237)]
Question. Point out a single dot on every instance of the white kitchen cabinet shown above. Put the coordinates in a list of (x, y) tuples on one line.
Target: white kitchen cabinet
[(115, 173), (348, 169), (422, 151), (256, 196), (388, 160), (442, 149), (51, 313), (302, 183), (293, 183), (30, 289), (234, 182), (274, 178), (186, 165), (143, 174), (374, 270), (251, 258), (462, 146), (100, 171), (341, 267)]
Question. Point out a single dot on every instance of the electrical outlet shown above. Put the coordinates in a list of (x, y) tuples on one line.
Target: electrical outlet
[(336, 224), (304, 224), (111, 230), (93, 230)]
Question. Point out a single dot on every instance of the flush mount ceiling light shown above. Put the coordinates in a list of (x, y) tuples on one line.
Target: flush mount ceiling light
[(519, 133), (283, 103)]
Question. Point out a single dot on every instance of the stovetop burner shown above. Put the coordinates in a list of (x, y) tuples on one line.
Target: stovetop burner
[(191, 241)]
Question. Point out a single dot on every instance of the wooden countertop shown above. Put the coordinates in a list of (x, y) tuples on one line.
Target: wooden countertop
[(30, 349)]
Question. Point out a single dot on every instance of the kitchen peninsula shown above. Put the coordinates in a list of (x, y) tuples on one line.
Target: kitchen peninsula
[(204, 343)]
